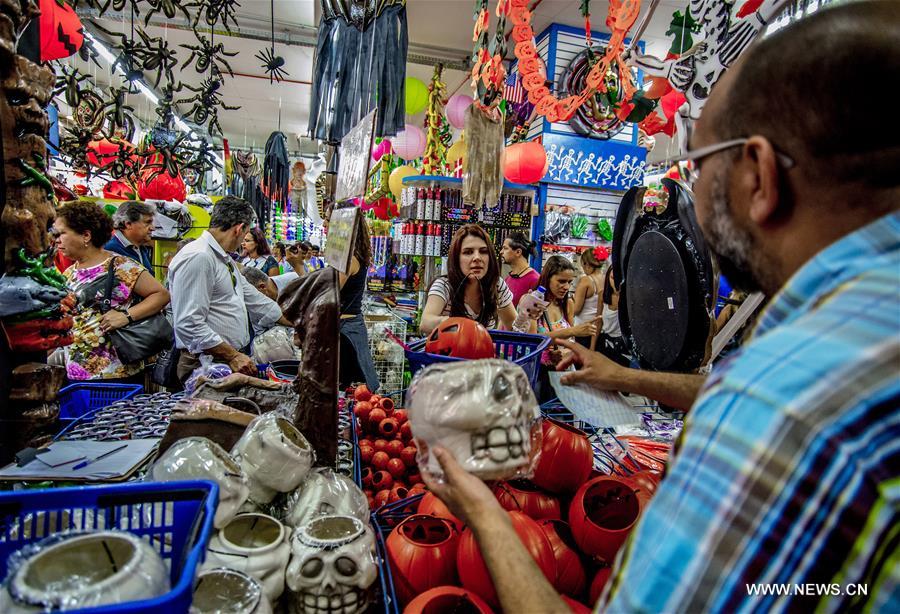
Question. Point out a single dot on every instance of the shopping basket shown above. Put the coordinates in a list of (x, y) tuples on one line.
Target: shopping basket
[(174, 517), (75, 400), (523, 349)]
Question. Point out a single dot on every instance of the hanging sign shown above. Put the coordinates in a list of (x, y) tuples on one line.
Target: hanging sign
[(341, 238), (353, 167), (589, 163)]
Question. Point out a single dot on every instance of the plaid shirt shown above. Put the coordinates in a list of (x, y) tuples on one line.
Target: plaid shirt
[(788, 469)]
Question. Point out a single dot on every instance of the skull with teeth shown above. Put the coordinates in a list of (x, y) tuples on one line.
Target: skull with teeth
[(332, 566), (483, 411)]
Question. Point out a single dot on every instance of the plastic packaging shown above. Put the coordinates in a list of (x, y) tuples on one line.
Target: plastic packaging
[(483, 411), (75, 570), (531, 305), (208, 370), (274, 456), (325, 492), (277, 343), (198, 457), (228, 590)]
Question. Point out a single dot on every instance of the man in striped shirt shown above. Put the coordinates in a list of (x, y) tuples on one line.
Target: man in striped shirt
[(784, 492)]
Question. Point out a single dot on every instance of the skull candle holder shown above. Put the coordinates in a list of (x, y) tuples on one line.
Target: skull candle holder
[(482, 411), (332, 566)]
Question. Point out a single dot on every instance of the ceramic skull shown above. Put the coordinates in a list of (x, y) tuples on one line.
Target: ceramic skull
[(274, 455), (483, 411), (325, 492), (332, 566)]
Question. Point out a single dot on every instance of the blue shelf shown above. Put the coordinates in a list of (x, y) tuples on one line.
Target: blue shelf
[(507, 186)]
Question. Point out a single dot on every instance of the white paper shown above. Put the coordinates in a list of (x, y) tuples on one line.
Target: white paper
[(596, 407), (115, 465)]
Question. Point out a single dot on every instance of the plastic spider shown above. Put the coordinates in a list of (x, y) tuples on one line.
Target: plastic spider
[(122, 165), (166, 153), (74, 144), (157, 56), (202, 157), (215, 11), (272, 64), (70, 83), (116, 112), (207, 54), (130, 52), (166, 7), (166, 103), (206, 103)]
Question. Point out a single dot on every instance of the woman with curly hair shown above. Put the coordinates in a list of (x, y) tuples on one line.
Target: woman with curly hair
[(81, 229), (256, 253)]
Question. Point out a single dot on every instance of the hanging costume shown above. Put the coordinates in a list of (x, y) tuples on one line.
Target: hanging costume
[(360, 64)]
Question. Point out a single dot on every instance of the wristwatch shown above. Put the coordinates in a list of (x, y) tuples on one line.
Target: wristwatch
[(127, 315)]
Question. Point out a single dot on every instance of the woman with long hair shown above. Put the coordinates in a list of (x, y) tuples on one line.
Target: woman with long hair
[(81, 230), (589, 289), (257, 254), (356, 362), (472, 287), (610, 341)]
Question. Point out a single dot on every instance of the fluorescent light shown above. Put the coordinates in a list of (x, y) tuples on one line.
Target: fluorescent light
[(102, 49), (146, 91)]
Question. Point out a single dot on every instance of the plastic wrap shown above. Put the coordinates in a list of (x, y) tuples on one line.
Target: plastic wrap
[(208, 370), (228, 590), (325, 492), (277, 343), (483, 411), (332, 566), (198, 457), (255, 544), (274, 456), (75, 570)]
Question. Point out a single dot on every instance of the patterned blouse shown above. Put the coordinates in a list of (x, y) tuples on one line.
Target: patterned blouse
[(92, 355)]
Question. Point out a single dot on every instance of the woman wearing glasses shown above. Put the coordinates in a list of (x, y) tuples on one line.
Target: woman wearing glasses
[(81, 230), (472, 287)]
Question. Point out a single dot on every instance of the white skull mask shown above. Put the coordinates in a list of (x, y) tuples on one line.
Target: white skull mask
[(483, 411), (332, 566), (325, 492)]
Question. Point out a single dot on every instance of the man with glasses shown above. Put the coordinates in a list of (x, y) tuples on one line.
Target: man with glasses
[(133, 223), (782, 493), (213, 306)]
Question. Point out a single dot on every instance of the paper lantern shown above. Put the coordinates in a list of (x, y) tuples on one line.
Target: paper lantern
[(525, 162), (416, 96), (118, 190), (382, 149), (395, 181), (162, 187), (385, 209), (409, 144), (456, 110), (102, 152), (61, 31), (456, 152)]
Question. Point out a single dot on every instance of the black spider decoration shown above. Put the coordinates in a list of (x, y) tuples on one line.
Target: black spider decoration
[(216, 11), (74, 144), (70, 83), (166, 7), (167, 153), (208, 55), (87, 53), (206, 102), (164, 109), (130, 53), (102, 7), (122, 165), (116, 112), (157, 56), (201, 158), (272, 64)]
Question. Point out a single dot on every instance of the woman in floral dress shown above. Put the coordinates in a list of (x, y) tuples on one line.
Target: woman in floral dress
[(81, 229)]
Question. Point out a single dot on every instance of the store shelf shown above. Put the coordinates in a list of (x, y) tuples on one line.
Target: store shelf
[(508, 188)]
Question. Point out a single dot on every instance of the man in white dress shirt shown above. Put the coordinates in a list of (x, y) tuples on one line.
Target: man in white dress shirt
[(212, 304)]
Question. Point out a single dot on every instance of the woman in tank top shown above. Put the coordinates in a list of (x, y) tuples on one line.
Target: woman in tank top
[(589, 290)]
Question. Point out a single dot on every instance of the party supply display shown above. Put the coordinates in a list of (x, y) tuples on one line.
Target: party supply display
[(602, 514), (435, 147), (332, 565), (274, 456), (145, 416), (322, 493), (421, 551), (483, 411), (566, 458), (525, 162), (523, 496), (222, 589), (75, 570), (255, 544), (460, 338), (397, 176)]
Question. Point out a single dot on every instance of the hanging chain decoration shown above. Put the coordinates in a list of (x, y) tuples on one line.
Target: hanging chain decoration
[(435, 148), (585, 8), (488, 71), (272, 63)]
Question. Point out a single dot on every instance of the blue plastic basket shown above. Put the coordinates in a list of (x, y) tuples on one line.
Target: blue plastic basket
[(75, 400), (176, 518), (520, 348)]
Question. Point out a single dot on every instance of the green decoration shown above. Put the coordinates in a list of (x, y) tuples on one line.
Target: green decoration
[(579, 226), (35, 269), (642, 107), (681, 27), (34, 175), (605, 230)]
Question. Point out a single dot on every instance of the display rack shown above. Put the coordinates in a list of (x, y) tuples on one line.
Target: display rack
[(387, 355)]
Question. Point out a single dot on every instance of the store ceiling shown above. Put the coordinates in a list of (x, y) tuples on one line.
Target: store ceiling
[(438, 30)]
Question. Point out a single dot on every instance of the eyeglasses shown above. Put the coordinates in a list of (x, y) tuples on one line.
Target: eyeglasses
[(704, 152)]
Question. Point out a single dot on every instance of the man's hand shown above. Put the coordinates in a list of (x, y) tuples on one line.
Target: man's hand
[(241, 363), (466, 495), (595, 369)]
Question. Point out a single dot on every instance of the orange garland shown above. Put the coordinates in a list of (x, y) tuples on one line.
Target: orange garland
[(488, 69), (622, 15)]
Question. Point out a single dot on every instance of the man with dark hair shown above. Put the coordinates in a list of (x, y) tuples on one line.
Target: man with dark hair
[(213, 305), (782, 493), (133, 223)]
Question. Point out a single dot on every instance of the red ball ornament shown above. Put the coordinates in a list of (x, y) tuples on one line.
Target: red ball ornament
[(366, 453), (447, 599), (382, 480), (362, 393), (367, 477), (406, 431), (388, 427), (387, 404), (375, 417), (602, 513), (599, 582), (381, 498), (570, 576), (415, 479), (394, 448), (398, 492), (362, 409), (523, 496), (566, 458), (380, 460), (644, 484), (460, 338), (396, 468), (400, 416), (408, 455), (421, 551), (433, 506), (525, 162), (380, 445), (474, 573)]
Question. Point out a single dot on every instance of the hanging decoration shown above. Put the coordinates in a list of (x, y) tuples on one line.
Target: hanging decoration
[(161, 186), (206, 103), (208, 56), (435, 150), (61, 31), (397, 176), (525, 162), (384, 148), (410, 143), (621, 17), (456, 110), (272, 63), (276, 169), (416, 96), (488, 70), (596, 118)]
